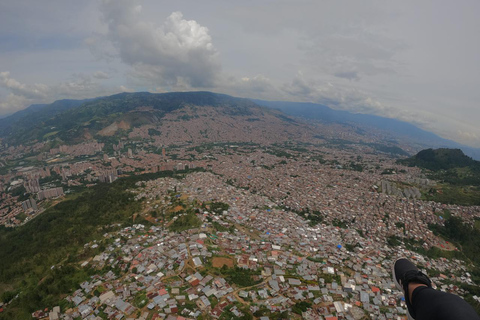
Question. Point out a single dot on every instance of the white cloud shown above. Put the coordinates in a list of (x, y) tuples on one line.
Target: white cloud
[(125, 89), (350, 98), (337, 97), (79, 86), (468, 137), (258, 86), (35, 91), (13, 103), (177, 52)]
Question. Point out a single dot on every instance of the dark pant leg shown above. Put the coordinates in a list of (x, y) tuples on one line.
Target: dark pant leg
[(431, 304)]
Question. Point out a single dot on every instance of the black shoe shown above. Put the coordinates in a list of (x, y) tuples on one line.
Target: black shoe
[(404, 272)]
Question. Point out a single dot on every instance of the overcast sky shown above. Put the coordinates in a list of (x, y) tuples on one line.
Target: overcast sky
[(417, 61)]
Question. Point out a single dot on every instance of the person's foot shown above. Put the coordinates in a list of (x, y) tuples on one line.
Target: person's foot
[(407, 277)]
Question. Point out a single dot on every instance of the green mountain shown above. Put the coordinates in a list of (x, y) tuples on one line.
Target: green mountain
[(21, 122), (73, 121), (440, 159), (458, 175)]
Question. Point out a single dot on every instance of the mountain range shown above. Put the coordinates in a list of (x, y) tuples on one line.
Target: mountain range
[(395, 129), (204, 117)]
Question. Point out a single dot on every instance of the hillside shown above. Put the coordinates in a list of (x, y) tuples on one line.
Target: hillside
[(205, 117), (21, 122), (193, 115), (459, 175), (440, 159), (392, 128)]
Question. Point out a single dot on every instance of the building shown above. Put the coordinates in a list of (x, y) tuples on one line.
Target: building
[(50, 193), (29, 204)]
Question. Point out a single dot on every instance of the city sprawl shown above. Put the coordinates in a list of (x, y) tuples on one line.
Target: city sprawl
[(265, 231)]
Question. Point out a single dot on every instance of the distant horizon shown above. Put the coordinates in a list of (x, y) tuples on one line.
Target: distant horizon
[(469, 150), (2, 116)]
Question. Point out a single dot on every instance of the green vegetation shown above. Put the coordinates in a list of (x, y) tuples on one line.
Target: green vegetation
[(445, 214), (185, 222), (464, 235), (477, 224), (293, 146), (400, 225), (71, 119), (432, 252), (314, 217), (153, 132), (351, 247), (20, 192), (219, 227), (222, 145), (217, 207), (141, 300), (355, 166), (440, 159), (467, 238), (279, 153), (454, 194), (394, 241), (41, 259), (301, 306), (329, 278), (388, 171), (393, 150), (339, 223), (459, 175), (227, 314), (240, 276), (7, 296), (265, 312)]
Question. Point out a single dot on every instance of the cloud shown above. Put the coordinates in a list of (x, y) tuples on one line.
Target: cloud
[(13, 103), (125, 89), (100, 47), (100, 75), (468, 137), (355, 100), (177, 52), (350, 75), (337, 97), (35, 91), (79, 86)]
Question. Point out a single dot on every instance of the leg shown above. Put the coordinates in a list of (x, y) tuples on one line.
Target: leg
[(431, 304)]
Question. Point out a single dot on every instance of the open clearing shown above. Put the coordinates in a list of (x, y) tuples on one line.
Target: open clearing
[(218, 262)]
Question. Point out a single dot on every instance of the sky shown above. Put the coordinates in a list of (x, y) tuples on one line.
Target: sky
[(417, 61)]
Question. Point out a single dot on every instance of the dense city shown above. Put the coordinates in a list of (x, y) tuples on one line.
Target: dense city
[(255, 231)]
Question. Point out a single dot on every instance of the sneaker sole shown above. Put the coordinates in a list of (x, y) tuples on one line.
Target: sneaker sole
[(399, 287)]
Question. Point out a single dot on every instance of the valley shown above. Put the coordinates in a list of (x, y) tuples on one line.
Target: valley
[(127, 206)]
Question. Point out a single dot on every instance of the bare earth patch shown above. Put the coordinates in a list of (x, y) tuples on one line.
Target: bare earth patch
[(177, 208), (218, 262)]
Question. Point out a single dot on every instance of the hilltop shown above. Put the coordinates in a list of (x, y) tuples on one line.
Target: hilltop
[(440, 159), (459, 175)]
